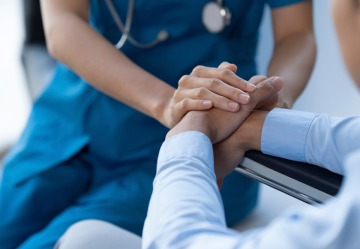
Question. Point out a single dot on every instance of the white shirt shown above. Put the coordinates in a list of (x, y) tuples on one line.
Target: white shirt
[(186, 209)]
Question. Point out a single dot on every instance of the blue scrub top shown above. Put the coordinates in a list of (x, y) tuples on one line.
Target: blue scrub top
[(70, 114)]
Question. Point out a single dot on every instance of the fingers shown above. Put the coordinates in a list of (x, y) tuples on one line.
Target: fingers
[(221, 86), (257, 79), (266, 92), (215, 90), (274, 82), (187, 104), (229, 66), (225, 74), (205, 94)]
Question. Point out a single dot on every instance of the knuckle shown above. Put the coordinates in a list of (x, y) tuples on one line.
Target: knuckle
[(259, 78), (177, 94), (235, 93), (198, 69), (226, 72), (266, 90), (183, 80), (185, 103), (214, 83), (267, 85), (262, 77), (201, 92)]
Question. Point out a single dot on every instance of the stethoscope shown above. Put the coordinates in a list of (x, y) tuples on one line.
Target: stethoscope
[(215, 18)]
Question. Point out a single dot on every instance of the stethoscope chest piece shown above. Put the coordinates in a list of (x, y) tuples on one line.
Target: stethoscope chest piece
[(215, 17)]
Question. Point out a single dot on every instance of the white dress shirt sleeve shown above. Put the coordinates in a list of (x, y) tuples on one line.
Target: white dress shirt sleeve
[(317, 139), (186, 211)]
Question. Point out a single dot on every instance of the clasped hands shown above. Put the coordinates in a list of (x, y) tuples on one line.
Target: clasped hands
[(240, 108)]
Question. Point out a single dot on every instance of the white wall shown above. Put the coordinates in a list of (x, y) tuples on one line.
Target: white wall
[(14, 99), (330, 89)]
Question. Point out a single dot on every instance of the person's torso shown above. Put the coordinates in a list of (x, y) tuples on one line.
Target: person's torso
[(70, 114)]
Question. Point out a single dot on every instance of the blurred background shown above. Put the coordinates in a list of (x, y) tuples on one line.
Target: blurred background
[(330, 89), (14, 98)]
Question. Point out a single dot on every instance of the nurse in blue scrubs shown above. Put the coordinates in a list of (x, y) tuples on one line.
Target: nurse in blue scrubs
[(89, 149)]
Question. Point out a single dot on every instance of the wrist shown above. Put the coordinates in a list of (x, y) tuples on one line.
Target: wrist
[(252, 129), (283, 102), (161, 108), (193, 121)]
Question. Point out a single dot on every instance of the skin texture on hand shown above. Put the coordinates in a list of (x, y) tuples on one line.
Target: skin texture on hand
[(219, 125), (229, 153), (205, 88)]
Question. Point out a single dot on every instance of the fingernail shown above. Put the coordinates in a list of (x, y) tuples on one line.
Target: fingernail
[(207, 103), (244, 97), (251, 87), (233, 105)]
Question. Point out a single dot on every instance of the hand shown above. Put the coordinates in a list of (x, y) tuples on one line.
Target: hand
[(205, 88), (269, 103), (265, 96), (218, 124), (282, 103), (278, 100), (229, 153)]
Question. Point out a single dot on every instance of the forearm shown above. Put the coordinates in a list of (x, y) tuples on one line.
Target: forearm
[(229, 153), (250, 131), (299, 136), (331, 139), (185, 210), (293, 60), (194, 121), (73, 42)]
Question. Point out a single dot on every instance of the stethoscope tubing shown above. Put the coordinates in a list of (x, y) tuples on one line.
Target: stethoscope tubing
[(125, 29)]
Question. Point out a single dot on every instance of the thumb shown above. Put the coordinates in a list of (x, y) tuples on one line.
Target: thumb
[(229, 66), (275, 83), (266, 93), (257, 79)]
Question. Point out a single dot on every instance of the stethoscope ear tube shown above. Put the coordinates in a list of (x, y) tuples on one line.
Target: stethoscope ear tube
[(125, 29), (215, 18)]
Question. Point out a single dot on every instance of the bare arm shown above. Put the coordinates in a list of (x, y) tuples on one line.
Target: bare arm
[(293, 60), (295, 49), (72, 41)]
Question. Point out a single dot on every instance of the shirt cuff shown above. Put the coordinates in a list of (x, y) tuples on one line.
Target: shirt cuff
[(192, 144), (284, 133)]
